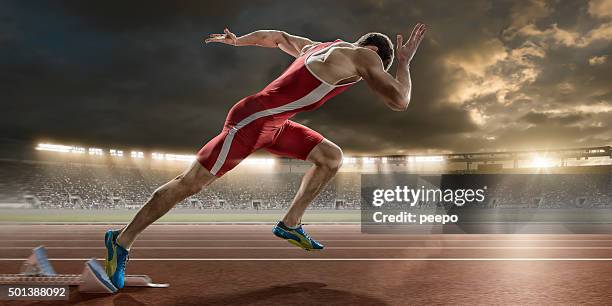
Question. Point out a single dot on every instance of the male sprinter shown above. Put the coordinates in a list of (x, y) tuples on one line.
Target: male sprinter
[(320, 71)]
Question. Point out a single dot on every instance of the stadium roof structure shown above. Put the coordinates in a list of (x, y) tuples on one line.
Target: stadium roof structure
[(562, 154), (577, 153)]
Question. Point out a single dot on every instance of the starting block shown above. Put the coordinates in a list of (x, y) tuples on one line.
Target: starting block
[(37, 270)]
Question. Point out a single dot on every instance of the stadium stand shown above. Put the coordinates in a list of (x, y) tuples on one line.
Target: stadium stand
[(95, 186), (69, 185)]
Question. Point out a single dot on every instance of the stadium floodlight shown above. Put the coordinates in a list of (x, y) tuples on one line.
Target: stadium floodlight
[(384, 160), (137, 154), (172, 157), (349, 160), (368, 160), (432, 158), (179, 157), (157, 156), (59, 148), (117, 153), (53, 148), (258, 161), (95, 151), (596, 151)]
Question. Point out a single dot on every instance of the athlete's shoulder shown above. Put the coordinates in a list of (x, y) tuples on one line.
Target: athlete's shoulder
[(365, 56), (316, 44)]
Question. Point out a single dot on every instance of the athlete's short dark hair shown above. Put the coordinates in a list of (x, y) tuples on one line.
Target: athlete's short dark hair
[(383, 43)]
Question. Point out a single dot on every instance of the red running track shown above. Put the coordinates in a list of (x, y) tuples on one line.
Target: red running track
[(246, 264)]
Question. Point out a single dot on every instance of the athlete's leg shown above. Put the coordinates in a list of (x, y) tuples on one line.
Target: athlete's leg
[(165, 198), (218, 156), (301, 142), (327, 159)]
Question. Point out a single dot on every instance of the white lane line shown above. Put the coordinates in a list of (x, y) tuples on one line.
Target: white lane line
[(259, 223), (179, 236), (173, 223), (270, 237), (237, 228), (345, 240), (186, 232), (337, 259), (328, 248)]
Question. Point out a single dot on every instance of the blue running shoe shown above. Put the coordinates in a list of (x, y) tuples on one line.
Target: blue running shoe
[(116, 258), (296, 236)]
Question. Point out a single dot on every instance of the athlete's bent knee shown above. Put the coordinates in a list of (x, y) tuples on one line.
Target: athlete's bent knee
[(331, 157), (335, 162)]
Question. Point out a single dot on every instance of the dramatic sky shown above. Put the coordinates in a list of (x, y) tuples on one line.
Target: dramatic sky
[(490, 74)]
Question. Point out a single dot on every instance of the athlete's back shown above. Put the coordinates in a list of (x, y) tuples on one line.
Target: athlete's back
[(262, 119), (296, 90)]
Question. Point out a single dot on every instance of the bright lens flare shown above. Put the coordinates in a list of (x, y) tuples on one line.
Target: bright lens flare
[(541, 162)]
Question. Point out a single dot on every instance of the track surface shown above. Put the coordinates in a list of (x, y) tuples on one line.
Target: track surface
[(245, 264)]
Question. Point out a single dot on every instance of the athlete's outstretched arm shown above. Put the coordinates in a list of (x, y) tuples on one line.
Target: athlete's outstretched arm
[(291, 44), (396, 92)]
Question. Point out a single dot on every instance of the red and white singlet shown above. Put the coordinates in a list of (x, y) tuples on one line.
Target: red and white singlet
[(262, 120)]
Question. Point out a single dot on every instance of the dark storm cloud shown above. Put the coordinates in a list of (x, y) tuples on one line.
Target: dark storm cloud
[(544, 118), (490, 74)]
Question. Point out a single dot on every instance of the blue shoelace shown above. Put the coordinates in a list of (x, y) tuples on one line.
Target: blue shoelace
[(121, 264)]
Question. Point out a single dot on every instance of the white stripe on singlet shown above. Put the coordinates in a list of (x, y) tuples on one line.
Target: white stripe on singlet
[(312, 97)]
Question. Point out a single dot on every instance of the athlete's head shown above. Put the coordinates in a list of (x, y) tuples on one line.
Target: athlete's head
[(383, 46)]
